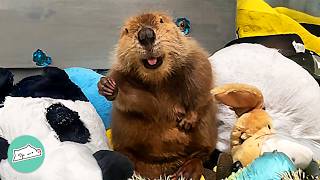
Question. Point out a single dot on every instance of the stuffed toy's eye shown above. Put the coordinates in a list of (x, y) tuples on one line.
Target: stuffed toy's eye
[(181, 24), (126, 30), (184, 25), (161, 20)]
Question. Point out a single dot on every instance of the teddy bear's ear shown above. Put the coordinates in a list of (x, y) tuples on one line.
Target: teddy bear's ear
[(240, 97)]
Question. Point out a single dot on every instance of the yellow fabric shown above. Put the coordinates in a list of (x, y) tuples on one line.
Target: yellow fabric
[(298, 16), (109, 136), (257, 18)]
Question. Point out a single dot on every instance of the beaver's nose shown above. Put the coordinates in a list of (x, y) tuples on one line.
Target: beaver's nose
[(146, 36)]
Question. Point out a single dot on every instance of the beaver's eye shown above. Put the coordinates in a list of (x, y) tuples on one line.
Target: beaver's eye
[(161, 20), (126, 30)]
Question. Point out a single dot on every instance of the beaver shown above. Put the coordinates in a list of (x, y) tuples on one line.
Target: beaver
[(163, 115)]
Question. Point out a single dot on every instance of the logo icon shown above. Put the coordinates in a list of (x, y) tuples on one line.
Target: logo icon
[(26, 154)]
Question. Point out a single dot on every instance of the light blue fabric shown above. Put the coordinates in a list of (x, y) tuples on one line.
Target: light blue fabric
[(87, 80), (269, 166)]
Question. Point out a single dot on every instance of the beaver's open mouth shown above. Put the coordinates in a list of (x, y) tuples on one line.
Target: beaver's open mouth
[(152, 62)]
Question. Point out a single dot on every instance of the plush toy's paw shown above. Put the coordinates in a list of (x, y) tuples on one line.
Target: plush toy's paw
[(4, 145), (114, 165), (192, 169), (188, 121), (108, 88)]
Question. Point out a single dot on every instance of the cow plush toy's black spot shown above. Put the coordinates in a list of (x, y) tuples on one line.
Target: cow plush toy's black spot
[(114, 165), (67, 124), (278, 41), (53, 83), (6, 83), (312, 28), (4, 148)]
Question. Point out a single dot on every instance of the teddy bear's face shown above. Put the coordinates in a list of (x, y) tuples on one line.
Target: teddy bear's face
[(249, 124), (248, 135)]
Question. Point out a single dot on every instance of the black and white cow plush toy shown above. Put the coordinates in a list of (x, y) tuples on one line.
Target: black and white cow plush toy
[(55, 111)]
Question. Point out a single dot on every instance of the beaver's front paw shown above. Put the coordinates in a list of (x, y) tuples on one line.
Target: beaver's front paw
[(187, 121), (108, 88), (192, 169)]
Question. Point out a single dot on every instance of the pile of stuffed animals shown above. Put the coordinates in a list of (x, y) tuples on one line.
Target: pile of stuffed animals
[(37, 104), (269, 95), (256, 145)]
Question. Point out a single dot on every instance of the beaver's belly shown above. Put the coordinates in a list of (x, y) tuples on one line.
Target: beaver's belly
[(161, 154), (169, 143), (155, 147), (162, 145)]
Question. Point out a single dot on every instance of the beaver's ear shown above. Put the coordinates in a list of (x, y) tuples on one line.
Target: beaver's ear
[(161, 19), (124, 31), (241, 98)]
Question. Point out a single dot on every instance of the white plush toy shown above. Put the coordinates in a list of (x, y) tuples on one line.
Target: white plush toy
[(292, 96), (27, 116), (52, 109)]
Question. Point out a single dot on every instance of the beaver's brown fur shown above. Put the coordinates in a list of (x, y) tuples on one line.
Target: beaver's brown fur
[(163, 115)]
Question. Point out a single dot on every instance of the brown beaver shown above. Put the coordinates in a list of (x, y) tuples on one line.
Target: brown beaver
[(163, 115)]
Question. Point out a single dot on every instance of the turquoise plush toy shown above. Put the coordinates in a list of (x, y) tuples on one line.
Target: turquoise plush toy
[(87, 80), (271, 165)]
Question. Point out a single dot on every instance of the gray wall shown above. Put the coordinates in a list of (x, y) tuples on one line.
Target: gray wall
[(311, 7), (84, 32)]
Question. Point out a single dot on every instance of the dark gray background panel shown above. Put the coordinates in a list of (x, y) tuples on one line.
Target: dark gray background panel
[(84, 32)]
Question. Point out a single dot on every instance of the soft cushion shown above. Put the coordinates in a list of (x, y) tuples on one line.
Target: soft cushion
[(87, 80), (292, 96)]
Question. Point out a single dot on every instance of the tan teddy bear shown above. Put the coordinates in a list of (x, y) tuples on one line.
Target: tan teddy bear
[(253, 134)]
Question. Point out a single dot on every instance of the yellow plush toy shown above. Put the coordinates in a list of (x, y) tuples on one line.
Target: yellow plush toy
[(253, 133), (257, 18)]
